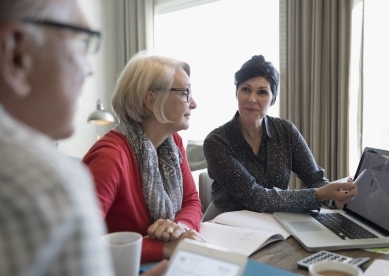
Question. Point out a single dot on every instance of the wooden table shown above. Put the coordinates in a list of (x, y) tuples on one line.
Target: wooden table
[(286, 254)]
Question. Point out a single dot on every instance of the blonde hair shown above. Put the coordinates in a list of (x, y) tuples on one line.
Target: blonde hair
[(145, 72)]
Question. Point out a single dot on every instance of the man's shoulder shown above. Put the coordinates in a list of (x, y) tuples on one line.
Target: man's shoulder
[(36, 159), (45, 194), (33, 163)]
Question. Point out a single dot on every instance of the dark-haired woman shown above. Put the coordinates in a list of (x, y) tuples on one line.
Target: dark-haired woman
[(251, 157)]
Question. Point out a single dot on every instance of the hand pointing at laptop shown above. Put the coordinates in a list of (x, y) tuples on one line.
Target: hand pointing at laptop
[(340, 191)]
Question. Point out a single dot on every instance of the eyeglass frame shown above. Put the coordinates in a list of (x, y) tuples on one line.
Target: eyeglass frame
[(188, 96), (71, 27)]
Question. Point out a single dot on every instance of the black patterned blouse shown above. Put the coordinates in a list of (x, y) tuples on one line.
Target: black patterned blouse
[(243, 180)]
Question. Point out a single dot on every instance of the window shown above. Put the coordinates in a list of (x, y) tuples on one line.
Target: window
[(216, 39), (375, 124), (368, 125)]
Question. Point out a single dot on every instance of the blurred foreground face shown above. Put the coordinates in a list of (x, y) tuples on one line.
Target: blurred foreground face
[(61, 66), (51, 64)]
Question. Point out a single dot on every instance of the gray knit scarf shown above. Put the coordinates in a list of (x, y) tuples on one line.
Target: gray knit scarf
[(159, 170)]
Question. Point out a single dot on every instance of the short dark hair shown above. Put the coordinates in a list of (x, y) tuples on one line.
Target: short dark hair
[(257, 66)]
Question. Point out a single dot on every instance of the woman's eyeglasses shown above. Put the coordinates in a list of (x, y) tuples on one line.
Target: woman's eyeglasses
[(188, 93)]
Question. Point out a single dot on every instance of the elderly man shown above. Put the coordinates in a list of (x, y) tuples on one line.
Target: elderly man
[(49, 218)]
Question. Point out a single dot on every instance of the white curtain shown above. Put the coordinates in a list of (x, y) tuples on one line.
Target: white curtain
[(135, 24)]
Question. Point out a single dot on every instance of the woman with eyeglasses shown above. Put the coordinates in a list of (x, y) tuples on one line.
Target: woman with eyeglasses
[(140, 168), (251, 157)]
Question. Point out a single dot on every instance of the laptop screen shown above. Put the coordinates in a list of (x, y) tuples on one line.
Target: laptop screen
[(372, 201)]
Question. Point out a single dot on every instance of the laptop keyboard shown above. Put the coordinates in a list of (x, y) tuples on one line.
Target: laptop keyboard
[(342, 226)]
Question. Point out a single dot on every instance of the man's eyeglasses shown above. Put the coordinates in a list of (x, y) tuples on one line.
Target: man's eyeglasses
[(92, 40), (187, 90)]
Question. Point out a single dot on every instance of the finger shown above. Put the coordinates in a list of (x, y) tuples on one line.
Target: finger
[(353, 192), (344, 198), (153, 227), (192, 234), (347, 185), (167, 226), (201, 238), (160, 226), (166, 235), (177, 233), (164, 232)]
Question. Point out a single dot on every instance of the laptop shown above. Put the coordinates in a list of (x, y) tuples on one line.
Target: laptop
[(368, 211)]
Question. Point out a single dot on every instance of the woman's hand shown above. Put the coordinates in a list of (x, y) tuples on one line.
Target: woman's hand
[(169, 247), (339, 191), (166, 230)]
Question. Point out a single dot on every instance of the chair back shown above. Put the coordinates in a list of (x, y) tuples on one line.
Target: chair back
[(205, 190), (210, 210)]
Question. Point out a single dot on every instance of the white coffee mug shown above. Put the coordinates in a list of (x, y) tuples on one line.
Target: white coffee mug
[(125, 248), (334, 268)]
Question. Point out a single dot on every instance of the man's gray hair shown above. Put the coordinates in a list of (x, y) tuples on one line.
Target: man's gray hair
[(22, 9), (17, 9)]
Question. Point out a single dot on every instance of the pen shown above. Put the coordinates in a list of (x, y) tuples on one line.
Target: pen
[(356, 181), (360, 176)]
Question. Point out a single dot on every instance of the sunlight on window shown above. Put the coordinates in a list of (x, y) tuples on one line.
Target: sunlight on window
[(376, 60), (216, 39), (354, 130)]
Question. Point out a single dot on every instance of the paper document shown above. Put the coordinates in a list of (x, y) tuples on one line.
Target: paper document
[(244, 232), (252, 220), (378, 268)]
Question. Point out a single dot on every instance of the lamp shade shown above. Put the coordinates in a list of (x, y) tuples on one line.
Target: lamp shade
[(101, 116)]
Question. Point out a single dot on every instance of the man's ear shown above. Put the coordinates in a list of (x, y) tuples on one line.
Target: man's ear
[(149, 101), (15, 59)]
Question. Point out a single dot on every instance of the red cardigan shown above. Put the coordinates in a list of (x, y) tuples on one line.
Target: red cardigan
[(119, 188)]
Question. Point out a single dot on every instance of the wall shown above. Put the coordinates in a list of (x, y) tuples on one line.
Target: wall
[(101, 15)]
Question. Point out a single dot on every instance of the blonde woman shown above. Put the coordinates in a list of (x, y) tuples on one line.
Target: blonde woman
[(140, 168)]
